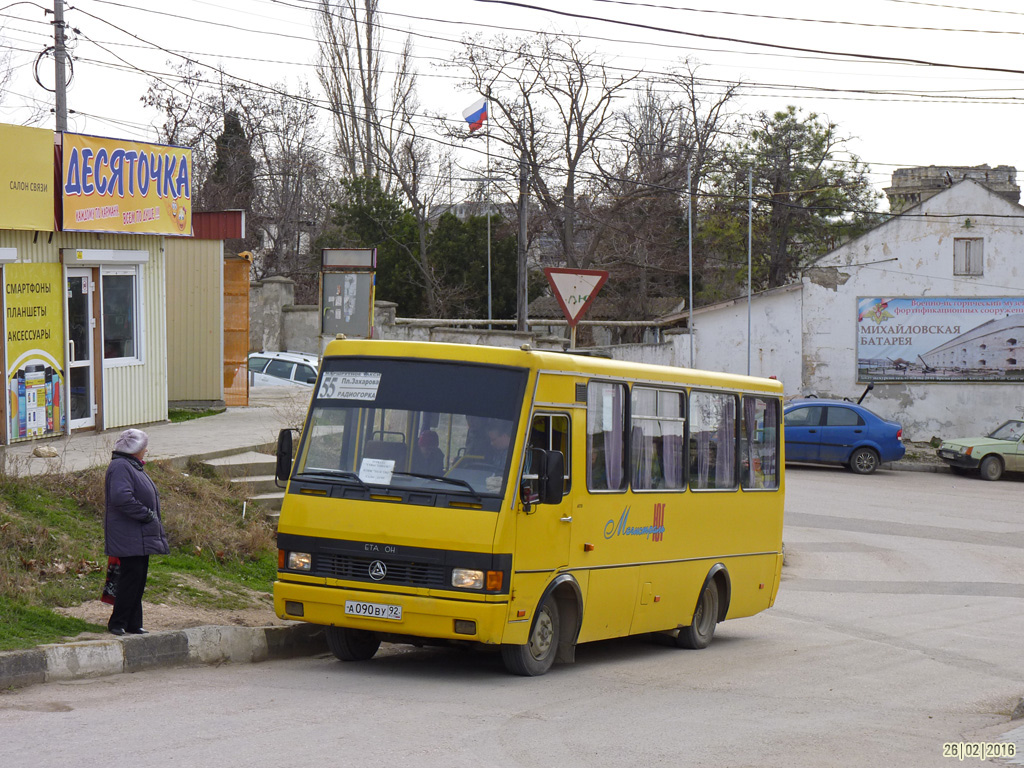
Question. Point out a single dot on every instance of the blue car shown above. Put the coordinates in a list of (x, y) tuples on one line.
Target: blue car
[(839, 431)]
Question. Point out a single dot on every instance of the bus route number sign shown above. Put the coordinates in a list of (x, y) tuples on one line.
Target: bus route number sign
[(344, 385)]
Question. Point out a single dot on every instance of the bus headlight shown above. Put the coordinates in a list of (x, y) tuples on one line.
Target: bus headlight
[(464, 578), (299, 561)]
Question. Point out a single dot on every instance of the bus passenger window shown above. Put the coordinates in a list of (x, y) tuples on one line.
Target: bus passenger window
[(656, 439), (606, 443), (759, 446), (712, 441)]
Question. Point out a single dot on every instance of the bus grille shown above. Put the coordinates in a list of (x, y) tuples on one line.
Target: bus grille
[(398, 572)]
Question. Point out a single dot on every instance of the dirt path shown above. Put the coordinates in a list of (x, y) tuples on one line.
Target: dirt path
[(161, 616)]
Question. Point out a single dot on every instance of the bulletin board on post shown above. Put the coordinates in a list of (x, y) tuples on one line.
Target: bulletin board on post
[(346, 291)]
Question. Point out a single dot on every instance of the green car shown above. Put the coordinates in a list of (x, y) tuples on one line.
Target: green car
[(1001, 451)]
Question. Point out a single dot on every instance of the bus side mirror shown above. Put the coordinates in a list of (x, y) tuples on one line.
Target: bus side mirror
[(284, 456), (552, 477), (544, 478)]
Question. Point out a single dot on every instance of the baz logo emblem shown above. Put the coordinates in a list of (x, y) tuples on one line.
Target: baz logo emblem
[(378, 570)]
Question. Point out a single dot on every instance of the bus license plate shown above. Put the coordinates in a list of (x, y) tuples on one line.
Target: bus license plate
[(373, 610)]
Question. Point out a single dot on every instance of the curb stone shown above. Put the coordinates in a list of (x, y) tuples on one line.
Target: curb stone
[(197, 645)]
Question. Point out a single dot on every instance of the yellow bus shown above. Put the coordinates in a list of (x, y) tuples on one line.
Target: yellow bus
[(526, 500)]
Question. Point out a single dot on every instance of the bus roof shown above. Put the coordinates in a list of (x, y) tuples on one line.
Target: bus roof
[(547, 360)]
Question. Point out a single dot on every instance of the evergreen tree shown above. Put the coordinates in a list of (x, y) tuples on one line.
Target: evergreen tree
[(806, 202), (232, 180)]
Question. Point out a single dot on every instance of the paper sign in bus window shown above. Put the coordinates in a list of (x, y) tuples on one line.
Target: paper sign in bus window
[(376, 471), (336, 385)]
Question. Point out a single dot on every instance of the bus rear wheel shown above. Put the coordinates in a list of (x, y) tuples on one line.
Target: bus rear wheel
[(536, 657), (705, 617), (352, 644)]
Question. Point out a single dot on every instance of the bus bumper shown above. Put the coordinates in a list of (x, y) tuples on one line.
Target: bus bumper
[(422, 617)]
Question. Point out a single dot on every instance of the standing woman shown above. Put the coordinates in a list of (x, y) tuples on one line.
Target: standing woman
[(133, 529)]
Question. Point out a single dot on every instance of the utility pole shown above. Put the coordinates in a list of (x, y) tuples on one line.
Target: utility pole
[(521, 297), (60, 79)]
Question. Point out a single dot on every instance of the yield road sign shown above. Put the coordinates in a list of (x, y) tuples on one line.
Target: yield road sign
[(575, 289)]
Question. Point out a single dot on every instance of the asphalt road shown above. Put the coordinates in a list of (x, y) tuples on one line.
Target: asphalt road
[(897, 630)]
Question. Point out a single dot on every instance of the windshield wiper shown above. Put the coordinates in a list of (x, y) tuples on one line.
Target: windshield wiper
[(441, 479), (337, 473)]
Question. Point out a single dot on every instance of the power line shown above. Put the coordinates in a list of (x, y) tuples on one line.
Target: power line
[(838, 22), (757, 43)]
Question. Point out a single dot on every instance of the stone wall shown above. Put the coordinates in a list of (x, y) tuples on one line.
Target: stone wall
[(277, 324)]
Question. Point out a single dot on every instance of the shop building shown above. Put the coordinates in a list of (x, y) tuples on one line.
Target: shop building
[(84, 223)]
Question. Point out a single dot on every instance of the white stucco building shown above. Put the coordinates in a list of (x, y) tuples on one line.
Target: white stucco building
[(874, 308)]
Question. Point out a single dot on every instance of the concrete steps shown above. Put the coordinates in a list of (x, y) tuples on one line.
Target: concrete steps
[(255, 472)]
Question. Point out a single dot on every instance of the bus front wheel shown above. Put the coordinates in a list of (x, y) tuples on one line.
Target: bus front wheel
[(705, 617), (352, 644), (536, 657)]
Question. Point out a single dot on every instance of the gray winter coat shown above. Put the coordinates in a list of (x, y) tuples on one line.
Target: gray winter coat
[(132, 523)]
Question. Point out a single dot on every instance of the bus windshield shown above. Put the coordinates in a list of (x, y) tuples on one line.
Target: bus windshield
[(413, 424)]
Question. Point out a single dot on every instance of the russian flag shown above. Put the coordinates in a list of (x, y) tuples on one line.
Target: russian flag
[(476, 115)]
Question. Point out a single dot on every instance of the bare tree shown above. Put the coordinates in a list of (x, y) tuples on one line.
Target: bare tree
[(350, 73), (551, 103), (259, 148), (384, 137), (6, 72), (674, 133)]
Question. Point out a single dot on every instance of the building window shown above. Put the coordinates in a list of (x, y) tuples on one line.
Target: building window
[(968, 256), (120, 314)]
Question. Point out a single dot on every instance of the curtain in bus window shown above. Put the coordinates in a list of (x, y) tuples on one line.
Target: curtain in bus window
[(672, 460), (605, 438), (725, 456), (749, 438), (703, 458), (712, 440), (770, 455), (760, 443), (644, 435), (642, 451)]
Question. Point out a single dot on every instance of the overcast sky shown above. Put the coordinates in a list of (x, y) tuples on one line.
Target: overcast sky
[(816, 55)]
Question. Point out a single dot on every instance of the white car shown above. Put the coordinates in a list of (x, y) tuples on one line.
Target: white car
[(282, 369)]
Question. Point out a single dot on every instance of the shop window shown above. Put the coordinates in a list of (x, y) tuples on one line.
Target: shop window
[(968, 256), (121, 335)]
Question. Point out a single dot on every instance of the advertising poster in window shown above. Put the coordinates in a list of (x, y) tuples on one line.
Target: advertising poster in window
[(113, 185), (940, 339), (34, 311)]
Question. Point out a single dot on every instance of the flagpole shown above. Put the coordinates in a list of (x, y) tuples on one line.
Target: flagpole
[(689, 237), (488, 188)]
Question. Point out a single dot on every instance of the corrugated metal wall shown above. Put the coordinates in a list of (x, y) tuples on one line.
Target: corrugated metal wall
[(195, 334), (132, 394)]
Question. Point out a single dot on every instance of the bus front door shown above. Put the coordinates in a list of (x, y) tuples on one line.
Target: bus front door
[(543, 532)]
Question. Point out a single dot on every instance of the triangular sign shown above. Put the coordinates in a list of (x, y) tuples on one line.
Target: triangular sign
[(575, 289)]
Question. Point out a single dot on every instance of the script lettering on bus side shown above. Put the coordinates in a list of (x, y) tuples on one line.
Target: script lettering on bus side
[(621, 527)]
